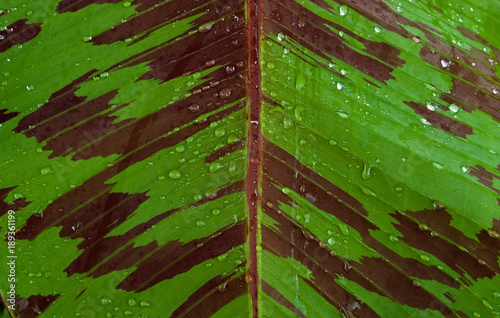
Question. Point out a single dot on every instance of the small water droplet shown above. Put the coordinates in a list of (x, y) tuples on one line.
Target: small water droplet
[(340, 86), (495, 91), (230, 69), (174, 174), (343, 115), (105, 300), (454, 108), (445, 63), (200, 223), (430, 106), (377, 29), (477, 315), (300, 81), (331, 241), (287, 122), (343, 10), (132, 302), (367, 191), (220, 132), (30, 88), (45, 171), (424, 257), (465, 169), (270, 65), (437, 165), (366, 171), (225, 93), (496, 294), (393, 238), (144, 303), (298, 113), (492, 233), (215, 212), (87, 38), (204, 28), (332, 142)]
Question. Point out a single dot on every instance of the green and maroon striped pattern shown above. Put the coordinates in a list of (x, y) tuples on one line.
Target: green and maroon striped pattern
[(258, 158)]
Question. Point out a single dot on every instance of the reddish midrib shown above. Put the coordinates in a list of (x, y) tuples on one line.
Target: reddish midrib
[(254, 142)]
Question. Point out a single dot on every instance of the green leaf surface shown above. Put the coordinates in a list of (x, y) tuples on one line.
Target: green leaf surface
[(258, 158)]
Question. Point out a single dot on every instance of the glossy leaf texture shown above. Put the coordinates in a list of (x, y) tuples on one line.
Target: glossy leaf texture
[(140, 188)]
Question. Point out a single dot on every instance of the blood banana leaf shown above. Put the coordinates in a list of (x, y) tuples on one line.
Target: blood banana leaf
[(258, 158)]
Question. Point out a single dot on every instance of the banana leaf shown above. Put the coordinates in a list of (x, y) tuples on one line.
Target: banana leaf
[(258, 158)]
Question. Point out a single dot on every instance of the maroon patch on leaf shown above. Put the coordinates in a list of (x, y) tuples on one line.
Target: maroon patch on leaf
[(18, 33), (175, 257), (34, 306), (5, 116), (441, 121), (212, 296)]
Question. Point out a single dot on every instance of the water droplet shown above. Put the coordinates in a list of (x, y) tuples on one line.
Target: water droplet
[(105, 300), (343, 71), (454, 108), (300, 81), (144, 303), (430, 106), (367, 191), (301, 23), (204, 28), (128, 313), (424, 257), (343, 10), (280, 36), (377, 29), (332, 142), (215, 211), (126, 4), (340, 86), (225, 93), (215, 166), (270, 65), (18, 195), (30, 87), (132, 302), (298, 112), (416, 39), (174, 174), (200, 223), (45, 171), (465, 169), (445, 63), (343, 115), (495, 91), (219, 132), (492, 233), (477, 315), (331, 241), (180, 149), (230, 69), (496, 294), (287, 122), (87, 38), (437, 165), (393, 238), (366, 171)]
